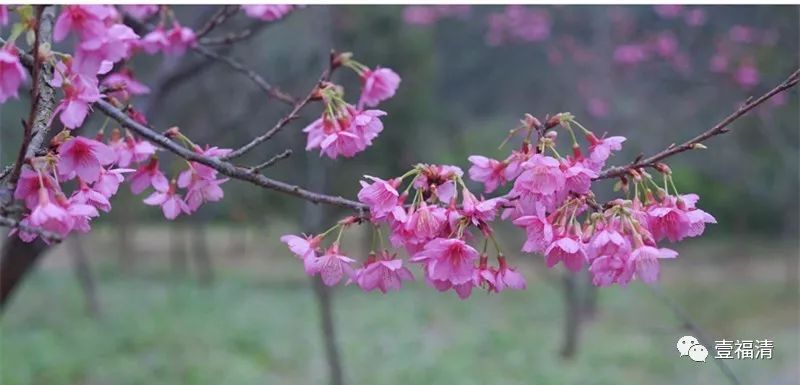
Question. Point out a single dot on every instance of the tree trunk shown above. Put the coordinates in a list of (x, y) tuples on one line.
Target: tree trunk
[(313, 218), (18, 258), (83, 271), (125, 233), (572, 316), (590, 294), (202, 258)]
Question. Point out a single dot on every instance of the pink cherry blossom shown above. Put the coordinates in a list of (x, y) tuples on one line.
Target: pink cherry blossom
[(149, 175), (346, 136), (304, 248), (129, 150), (29, 184), (383, 272), (381, 196), (140, 12), (379, 85), (12, 74), (542, 175), (449, 260), (50, 216), (87, 195), (480, 212), (3, 14), (171, 203), (610, 269), (607, 242), (579, 178), (600, 149), (507, 277), (539, 233), (87, 20), (568, 250), (84, 157), (200, 190), (332, 266), (109, 181), (112, 46), (490, 172), (645, 261), (425, 222), (630, 54), (79, 92), (171, 42), (124, 85), (267, 12), (747, 75)]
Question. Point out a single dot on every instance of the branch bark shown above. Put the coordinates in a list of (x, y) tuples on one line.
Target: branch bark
[(719, 128)]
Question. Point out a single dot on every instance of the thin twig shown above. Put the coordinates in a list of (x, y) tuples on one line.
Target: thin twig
[(719, 128), (220, 165), (222, 14), (269, 89), (275, 159), (701, 335), (294, 114)]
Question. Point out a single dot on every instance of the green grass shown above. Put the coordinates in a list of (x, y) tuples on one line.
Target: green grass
[(245, 331)]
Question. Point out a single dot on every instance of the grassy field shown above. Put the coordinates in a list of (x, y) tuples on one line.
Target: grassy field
[(258, 324)]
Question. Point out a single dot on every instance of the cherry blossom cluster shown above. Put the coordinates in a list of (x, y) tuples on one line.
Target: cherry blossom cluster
[(345, 129), (74, 180), (440, 223)]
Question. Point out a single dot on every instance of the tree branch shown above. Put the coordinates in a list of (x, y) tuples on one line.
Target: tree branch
[(719, 128), (294, 114), (42, 94), (275, 159), (269, 89), (222, 166)]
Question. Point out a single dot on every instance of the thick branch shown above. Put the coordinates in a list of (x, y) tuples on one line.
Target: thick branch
[(42, 94), (222, 166), (720, 128)]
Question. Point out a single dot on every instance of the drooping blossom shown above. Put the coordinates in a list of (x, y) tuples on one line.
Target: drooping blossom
[(124, 85), (171, 203), (450, 260), (304, 248), (12, 74), (507, 277), (568, 250), (490, 172), (332, 266), (50, 216), (171, 42), (129, 150), (378, 85), (600, 149), (538, 230), (110, 47), (89, 196), (267, 12), (200, 189), (381, 196), (645, 261), (611, 269), (383, 272), (542, 175), (149, 175), (109, 181), (88, 21), (84, 158), (79, 92), (347, 135)]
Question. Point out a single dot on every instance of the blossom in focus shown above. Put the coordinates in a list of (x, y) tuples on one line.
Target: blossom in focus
[(332, 266), (149, 175), (171, 203), (381, 196), (378, 85), (383, 272), (84, 158), (450, 260), (12, 74)]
